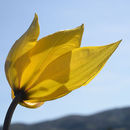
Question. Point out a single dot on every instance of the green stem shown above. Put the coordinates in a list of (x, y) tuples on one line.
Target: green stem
[(10, 111)]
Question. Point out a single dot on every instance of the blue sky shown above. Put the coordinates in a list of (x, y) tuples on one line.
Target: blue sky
[(105, 22)]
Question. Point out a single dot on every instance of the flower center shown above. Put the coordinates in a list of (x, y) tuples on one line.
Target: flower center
[(21, 93)]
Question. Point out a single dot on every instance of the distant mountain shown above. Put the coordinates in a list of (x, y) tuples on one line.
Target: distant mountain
[(117, 119)]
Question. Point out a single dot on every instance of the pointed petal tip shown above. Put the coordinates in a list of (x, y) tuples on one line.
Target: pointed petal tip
[(120, 41), (117, 43), (35, 14), (82, 26), (35, 17)]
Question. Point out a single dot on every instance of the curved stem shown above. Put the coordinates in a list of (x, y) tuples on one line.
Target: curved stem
[(10, 112)]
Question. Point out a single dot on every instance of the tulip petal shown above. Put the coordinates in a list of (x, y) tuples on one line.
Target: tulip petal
[(87, 62), (80, 66), (28, 103), (31, 104), (47, 90), (26, 42), (48, 49)]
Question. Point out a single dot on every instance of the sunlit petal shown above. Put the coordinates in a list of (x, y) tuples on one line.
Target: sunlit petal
[(31, 104), (71, 71), (47, 90), (26, 42), (47, 50), (87, 62)]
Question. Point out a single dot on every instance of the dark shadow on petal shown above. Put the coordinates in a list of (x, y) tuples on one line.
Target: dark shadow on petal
[(20, 65), (58, 70), (60, 92)]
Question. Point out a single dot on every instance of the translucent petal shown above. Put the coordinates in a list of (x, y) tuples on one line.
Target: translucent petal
[(29, 103), (86, 63), (70, 71), (47, 50), (26, 42), (47, 90)]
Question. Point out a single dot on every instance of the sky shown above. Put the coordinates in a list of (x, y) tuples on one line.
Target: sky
[(105, 22)]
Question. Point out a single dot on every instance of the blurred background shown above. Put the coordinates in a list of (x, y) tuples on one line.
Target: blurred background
[(105, 22)]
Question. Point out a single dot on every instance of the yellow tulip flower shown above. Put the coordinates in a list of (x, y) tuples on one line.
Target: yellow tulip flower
[(49, 68)]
